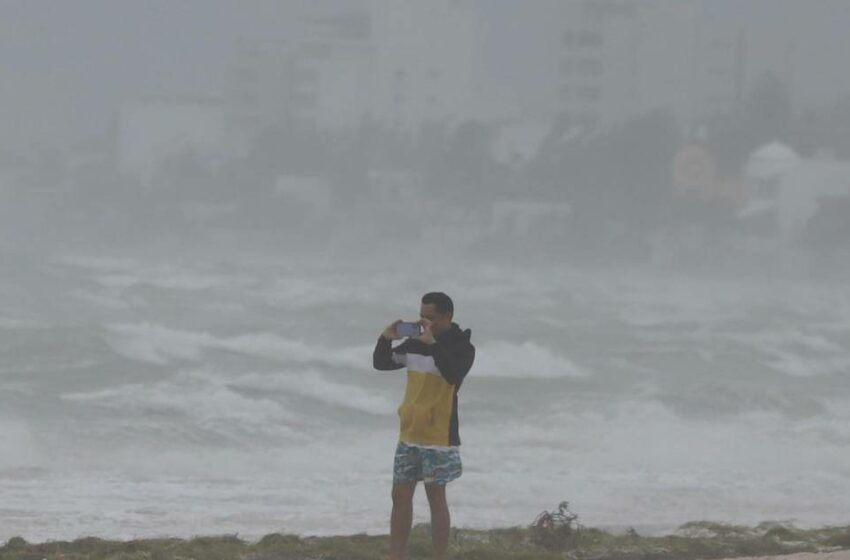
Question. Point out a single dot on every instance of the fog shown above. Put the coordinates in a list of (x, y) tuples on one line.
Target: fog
[(210, 209)]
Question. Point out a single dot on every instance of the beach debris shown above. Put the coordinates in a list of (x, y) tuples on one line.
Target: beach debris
[(556, 530)]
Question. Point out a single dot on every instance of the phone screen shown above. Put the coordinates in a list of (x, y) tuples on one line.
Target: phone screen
[(407, 329)]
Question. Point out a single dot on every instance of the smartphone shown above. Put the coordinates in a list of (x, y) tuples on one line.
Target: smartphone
[(408, 329)]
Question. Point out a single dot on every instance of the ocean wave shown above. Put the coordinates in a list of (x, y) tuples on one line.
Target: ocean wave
[(155, 344), (126, 273), (801, 353), (199, 396), (645, 433), (276, 347), (159, 345), (527, 360), (312, 384)]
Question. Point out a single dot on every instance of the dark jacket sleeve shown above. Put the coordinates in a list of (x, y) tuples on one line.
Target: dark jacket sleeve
[(454, 360), (382, 357)]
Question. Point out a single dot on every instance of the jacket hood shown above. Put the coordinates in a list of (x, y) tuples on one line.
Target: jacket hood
[(455, 333)]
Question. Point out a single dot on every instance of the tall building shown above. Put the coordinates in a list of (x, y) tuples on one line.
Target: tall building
[(315, 75), (427, 60), (400, 63), (621, 58)]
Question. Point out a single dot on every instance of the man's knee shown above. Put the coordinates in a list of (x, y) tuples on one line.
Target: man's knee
[(403, 493), (436, 493)]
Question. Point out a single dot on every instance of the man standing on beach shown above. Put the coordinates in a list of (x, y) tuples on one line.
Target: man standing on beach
[(428, 448)]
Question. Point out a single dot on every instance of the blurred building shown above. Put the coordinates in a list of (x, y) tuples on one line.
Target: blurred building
[(427, 60), (397, 63), (314, 75), (155, 128), (788, 193), (621, 58)]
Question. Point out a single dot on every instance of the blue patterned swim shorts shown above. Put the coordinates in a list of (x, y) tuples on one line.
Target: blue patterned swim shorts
[(432, 466)]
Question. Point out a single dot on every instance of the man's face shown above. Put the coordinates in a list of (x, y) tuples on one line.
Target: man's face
[(440, 322)]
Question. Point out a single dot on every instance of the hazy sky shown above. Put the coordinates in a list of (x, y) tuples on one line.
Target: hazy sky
[(66, 65)]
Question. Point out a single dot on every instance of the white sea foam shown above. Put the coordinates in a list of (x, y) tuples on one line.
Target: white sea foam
[(645, 434), (158, 345), (796, 365), (313, 384), (527, 360), (200, 396), (801, 353), (283, 349)]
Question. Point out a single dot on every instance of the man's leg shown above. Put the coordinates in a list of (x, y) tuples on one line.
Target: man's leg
[(402, 519), (440, 521)]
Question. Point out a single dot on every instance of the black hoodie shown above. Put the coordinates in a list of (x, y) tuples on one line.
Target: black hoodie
[(428, 413)]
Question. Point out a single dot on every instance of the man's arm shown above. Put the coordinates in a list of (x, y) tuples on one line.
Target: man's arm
[(454, 361), (383, 358)]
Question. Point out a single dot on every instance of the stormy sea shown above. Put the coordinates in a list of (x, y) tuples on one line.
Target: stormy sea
[(144, 396)]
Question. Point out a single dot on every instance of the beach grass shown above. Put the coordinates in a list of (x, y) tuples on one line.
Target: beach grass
[(553, 535)]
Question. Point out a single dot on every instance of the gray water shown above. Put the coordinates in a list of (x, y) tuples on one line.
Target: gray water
[(144, 396)]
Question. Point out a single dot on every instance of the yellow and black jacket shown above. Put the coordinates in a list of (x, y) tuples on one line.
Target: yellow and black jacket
[(435, 372)]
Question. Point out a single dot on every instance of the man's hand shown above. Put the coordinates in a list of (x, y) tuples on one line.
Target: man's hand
[(390, 332), (427, 336)]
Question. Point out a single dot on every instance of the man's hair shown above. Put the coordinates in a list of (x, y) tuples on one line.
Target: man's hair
[(441, 301)]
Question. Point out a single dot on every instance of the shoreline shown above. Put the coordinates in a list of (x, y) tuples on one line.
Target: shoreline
[(648, 530), (557, 538)]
